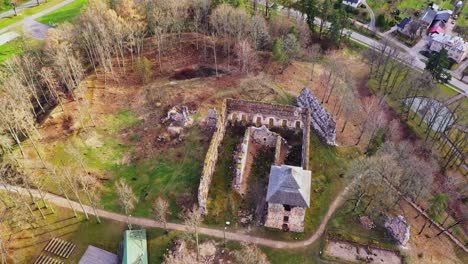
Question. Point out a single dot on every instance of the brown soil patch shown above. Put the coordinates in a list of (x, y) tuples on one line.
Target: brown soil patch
[(426, 248)]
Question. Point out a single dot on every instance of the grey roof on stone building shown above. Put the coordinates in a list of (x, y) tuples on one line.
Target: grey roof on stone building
[(289, 185)]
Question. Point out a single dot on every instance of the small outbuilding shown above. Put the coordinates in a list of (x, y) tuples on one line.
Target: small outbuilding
[(135, 248), (94, 255)]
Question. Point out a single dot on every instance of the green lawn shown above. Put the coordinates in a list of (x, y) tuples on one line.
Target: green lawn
[(27, 12), (5, 5), (64, 14), (15, 47), (24, 247), (173, 174)]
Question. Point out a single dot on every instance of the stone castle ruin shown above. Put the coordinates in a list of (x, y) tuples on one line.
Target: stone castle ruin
[(255, 138), (289, 187), (322, 122)]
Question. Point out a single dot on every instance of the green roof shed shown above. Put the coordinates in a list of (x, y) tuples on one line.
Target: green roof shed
[(135, 248)]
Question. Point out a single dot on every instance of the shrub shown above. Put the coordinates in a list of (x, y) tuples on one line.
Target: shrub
[(376, 142), (143, 69)]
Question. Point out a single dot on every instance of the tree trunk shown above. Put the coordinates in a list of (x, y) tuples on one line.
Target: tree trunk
[(423, 227)]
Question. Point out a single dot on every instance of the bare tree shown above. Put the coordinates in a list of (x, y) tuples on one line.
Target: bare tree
[(127, 199), (160, 211), (192, 221)]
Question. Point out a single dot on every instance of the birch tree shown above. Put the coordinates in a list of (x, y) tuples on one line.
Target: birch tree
[(127, 199)]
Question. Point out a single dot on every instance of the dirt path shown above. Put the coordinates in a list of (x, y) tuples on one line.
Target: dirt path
[(62, 202)]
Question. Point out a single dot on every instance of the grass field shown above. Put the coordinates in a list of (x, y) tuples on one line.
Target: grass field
[(5, 5), (27, 12), (64, 14), (15, 47), (24, 247), (174, 175)]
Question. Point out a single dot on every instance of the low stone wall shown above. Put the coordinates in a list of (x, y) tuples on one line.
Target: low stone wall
[(211, 159), (242, 160)]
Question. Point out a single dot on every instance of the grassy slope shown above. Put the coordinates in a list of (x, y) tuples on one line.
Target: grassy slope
[(27, 12), (24, 248), (15, 47), (169, 176), (64, 14)]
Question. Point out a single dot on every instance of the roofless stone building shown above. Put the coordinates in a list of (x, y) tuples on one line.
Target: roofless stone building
[(288, 192)]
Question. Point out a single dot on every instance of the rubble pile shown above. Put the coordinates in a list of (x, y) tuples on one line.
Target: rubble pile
[(322, 122)]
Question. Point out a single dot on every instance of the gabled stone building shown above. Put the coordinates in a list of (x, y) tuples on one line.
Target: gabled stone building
[(288, 197)]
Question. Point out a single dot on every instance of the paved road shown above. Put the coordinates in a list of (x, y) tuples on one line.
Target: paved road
[(62, 202), (29, 21), (372, 15), (417, 64), (7, 37), (19, 8)]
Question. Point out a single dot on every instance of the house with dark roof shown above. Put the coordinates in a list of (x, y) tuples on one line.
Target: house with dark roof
[(409, 27), (427, 17), (288, 197), (352, 3)]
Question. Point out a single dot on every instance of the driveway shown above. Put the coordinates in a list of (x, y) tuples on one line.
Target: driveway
[(372, 15), (37, 31), (19, 8)]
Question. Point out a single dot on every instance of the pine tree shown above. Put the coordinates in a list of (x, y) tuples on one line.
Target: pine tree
[(277, 50), (437, 65)]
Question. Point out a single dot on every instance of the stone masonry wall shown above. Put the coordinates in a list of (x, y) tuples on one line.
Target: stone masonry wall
[(254, 137), (252, 113), (273, 115), (275, 216), (296, 219), (211, 159)]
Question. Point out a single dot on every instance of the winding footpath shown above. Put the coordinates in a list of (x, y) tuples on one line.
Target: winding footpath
[(62, 202)]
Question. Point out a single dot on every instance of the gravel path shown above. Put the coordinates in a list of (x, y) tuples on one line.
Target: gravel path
[(62, 202)]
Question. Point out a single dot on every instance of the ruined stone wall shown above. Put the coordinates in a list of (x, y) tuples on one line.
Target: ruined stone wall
[(268, 114), (296, 219), (242, 159), (211, 158), (276, 214), (253, 138), (273, 115)]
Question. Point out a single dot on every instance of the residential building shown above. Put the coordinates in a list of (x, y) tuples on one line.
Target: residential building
[(456, 47), (352, 3), (427, 17), (409, 27), (288, 197), (437, 27)]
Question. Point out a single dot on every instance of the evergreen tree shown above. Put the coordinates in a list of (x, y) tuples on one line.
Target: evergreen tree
[(309, 8), (437, 65), (277, 50), (326, 11)]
